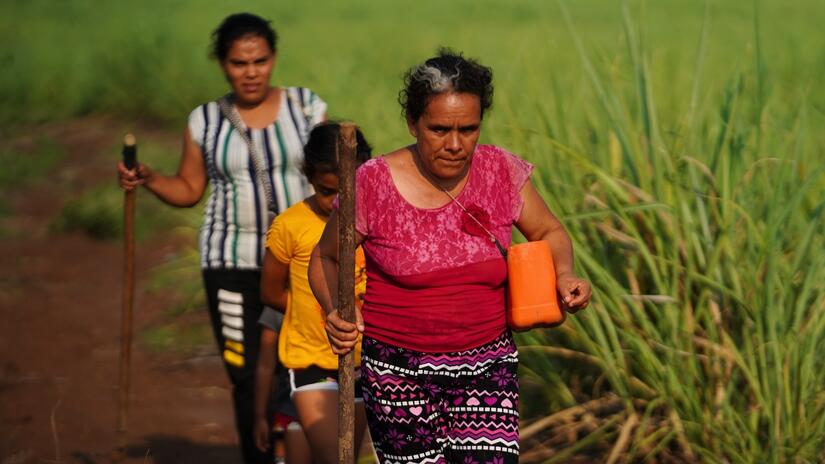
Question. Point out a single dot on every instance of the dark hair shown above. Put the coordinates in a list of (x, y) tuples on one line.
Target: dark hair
[(319, 152), (447, 72), (239, 25)]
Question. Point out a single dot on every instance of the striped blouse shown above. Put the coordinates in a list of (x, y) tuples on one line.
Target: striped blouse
[(235, 219)]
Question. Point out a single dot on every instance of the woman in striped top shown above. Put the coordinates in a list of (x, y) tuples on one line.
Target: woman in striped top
[(239, 210)]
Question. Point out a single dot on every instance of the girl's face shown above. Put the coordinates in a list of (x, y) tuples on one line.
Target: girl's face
[(326, 188), (248, 66)]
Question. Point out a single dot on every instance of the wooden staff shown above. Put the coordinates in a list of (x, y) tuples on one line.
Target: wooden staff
[(130, 161), (346, 288)]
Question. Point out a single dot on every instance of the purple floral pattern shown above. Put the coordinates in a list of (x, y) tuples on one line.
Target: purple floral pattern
[(415, 413), (413, 360), (497, 459), (502, 377), (396, 439)]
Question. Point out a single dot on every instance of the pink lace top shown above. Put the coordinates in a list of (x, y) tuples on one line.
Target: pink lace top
[(436, 268), (404, 239)]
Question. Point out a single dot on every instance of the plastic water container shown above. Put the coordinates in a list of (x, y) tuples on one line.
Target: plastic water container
[(533, 300)]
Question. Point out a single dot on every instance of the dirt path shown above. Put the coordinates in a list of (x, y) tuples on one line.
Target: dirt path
[(59, 335)]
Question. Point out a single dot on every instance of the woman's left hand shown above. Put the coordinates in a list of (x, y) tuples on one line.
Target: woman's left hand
[(575, 292)]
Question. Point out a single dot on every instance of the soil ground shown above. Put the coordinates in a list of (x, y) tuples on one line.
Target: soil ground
[(60, 313)]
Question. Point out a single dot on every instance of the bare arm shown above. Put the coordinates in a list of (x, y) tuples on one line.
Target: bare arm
[(323, 279), (274, 282), (183, 189), (537, 222), (263, 385)]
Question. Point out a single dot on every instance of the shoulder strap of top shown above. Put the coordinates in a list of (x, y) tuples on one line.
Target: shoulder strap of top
[(298, 102)]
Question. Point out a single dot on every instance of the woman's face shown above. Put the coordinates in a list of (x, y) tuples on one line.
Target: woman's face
[(248, 65), (447, 132), (326, 188)]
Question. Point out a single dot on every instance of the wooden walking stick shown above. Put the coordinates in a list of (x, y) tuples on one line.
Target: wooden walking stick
[(346, 288), (130, 161)]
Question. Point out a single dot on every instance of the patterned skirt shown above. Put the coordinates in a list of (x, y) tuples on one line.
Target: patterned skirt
[(456, 407)]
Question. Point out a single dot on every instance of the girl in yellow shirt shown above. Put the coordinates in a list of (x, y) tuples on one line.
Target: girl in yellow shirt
[(303, 347)]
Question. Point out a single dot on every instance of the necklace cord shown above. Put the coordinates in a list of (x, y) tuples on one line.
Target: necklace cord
[(490, 235)]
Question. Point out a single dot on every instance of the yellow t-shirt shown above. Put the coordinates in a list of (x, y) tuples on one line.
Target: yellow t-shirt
[(303, 340)]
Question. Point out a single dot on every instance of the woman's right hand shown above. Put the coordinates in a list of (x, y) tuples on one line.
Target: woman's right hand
[(343, 335), (262, 434), (130, 179)]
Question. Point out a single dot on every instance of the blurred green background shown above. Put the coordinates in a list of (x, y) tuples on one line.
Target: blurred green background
[(681, 142)]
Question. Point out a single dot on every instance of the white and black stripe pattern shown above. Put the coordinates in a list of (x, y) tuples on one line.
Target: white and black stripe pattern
[(235, 219), (230, 305)]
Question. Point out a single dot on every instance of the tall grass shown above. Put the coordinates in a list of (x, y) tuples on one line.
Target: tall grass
[(705, 247), (680, 142), (149, 59)]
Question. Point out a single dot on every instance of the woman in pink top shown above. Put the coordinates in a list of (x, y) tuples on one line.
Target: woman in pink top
[(435, 219)]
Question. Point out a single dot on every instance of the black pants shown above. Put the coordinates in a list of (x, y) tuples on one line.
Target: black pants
[(234, 307)]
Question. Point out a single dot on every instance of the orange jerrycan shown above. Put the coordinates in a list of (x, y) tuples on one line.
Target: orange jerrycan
[(533, 301)]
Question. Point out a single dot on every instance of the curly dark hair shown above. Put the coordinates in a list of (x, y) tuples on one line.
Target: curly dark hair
[(319, 152), (448, 71), (238, 25)]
